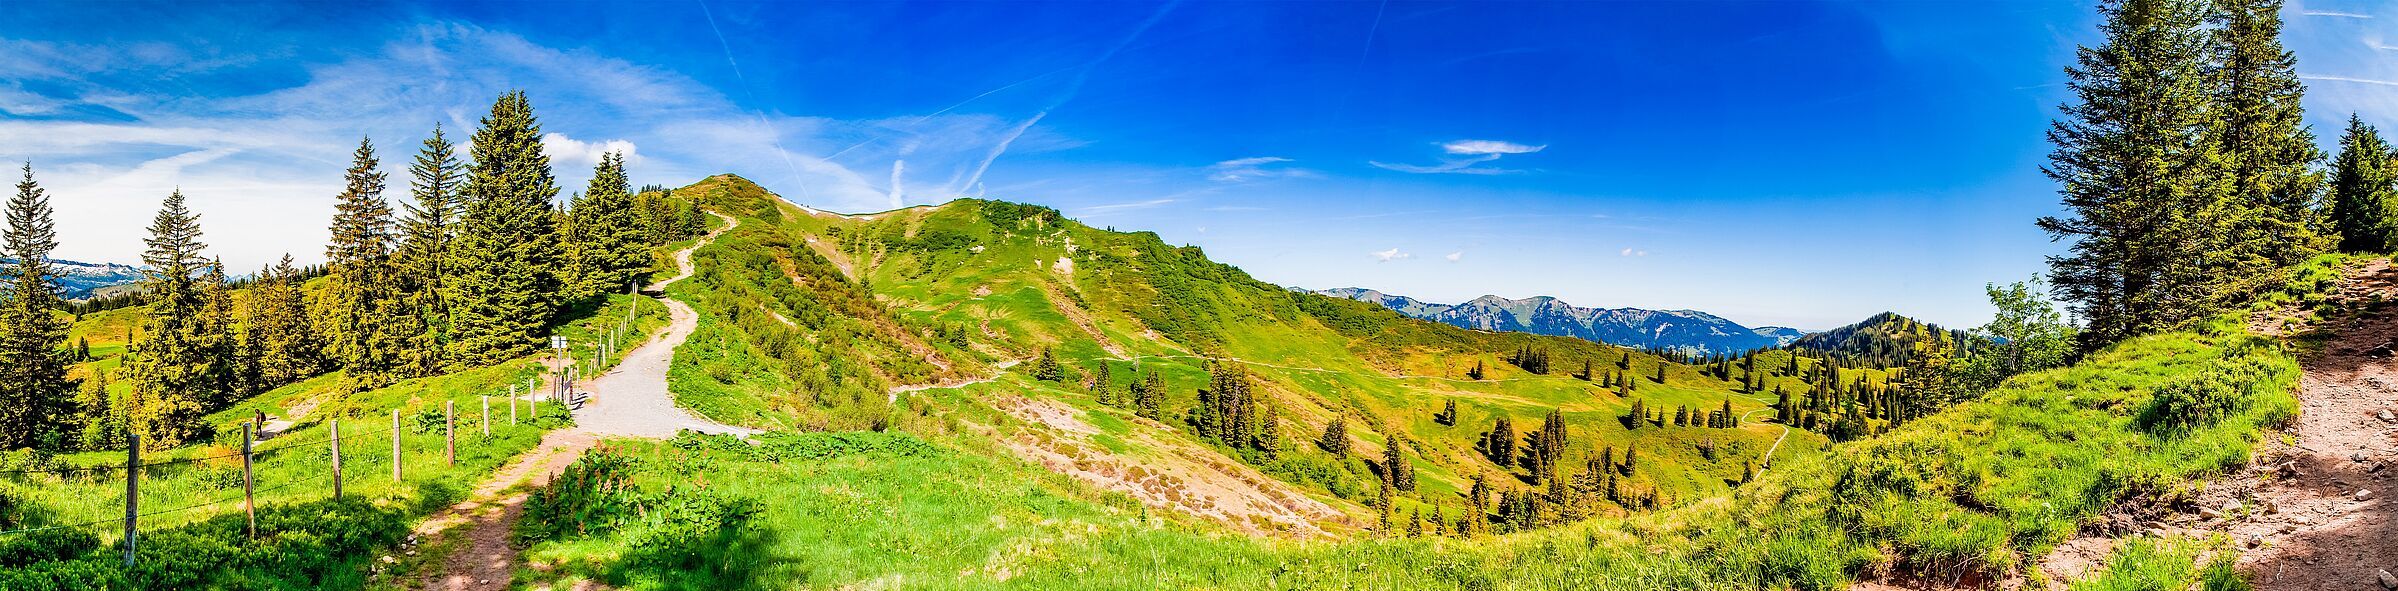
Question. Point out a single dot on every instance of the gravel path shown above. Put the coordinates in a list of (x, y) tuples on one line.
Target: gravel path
[(631, 400)]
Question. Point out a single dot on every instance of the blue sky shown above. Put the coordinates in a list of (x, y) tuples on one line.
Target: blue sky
[(1791, 163)]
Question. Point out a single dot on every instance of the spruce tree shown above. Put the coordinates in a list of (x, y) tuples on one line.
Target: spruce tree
[(426, 232), (2137, 174), (606, 240), (1335, 439), (35, 394), (504, 263), (362, 310), (276, 325), (170, 367), (2260, 129), (1397, 472), (1498, 444), (2364, 191)]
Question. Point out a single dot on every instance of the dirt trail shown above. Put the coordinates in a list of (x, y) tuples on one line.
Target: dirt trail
[(2317, 513), (631, 401)]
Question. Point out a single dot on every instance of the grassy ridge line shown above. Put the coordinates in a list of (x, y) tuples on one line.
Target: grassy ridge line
[(1981, 487)]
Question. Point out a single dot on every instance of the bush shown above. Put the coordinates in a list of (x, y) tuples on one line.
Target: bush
[(2198, 400)]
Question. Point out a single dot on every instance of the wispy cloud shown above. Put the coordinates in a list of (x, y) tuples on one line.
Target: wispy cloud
[(1489, 147), (1455, 256), (1254, 168), (1393, 254), (2348, 79), (1097, 209), (2335, 14), (1462, 157), (1634, 252)]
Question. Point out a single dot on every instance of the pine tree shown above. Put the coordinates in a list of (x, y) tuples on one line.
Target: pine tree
[(426, 233), (1546, 447), (607, 243), (1498, 444), (2364, 191), (362, 314), (1397, 472), (35, 394), (1335, 439), (1148, 397), (170, 368), (1047, 369), (2138, 175), (2260, 129), (505, 264), (276, 326)]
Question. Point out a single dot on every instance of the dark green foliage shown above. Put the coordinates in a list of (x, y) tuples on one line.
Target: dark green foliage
[(1447, 416), (1229, 413), (276, 324), (426, 232), (364, 318), (1396, 471), (1499, 443), (607, 245), (506, 262), (1531, 359), (1544, 448), (174, 369), (2364, 191), (1335, 439), (1047, 369), (35, 395), (1148, 396)]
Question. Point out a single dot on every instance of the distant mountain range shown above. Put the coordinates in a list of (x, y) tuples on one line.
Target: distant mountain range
[(80, 279), (1630, 327)]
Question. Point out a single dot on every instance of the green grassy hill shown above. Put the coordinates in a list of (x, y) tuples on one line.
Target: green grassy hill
[(812, 318)]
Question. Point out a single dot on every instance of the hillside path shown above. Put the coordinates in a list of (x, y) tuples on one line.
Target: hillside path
[(630, 400), (2318, 512)]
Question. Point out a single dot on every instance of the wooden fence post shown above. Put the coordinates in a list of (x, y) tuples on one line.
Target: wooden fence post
[(486, 416), (334, 426), (133, 491), (249, 484), (449, 431), (395, 449)]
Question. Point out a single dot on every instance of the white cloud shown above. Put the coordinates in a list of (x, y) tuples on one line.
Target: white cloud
[(272, 160), (1634, 252), (1455, 256), (2335, 14), (1390, 255), (1489, 147), (1462, 157), (566, 151), (1254, 168)]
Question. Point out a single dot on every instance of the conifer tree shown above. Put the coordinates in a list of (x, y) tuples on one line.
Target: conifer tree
[(2137, 173), (426, 231), (1335, 439), (362, 314), (504, 263), (2364, 191), (2260, 129), (607, 242), (1148, 398), (221, 342), (1499, 443), (276, 325), (35, 394), (170, 367), (1397, 472), (1546, 447)]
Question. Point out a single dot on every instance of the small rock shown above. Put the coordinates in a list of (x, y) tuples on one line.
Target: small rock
[(2364, 494), (411, 552), (2386, 417), (2287, 528), (2356, 457), (482, 581), (2209, 513), (2256, 541), (2389, 581), (387, 559), (2230, 507)]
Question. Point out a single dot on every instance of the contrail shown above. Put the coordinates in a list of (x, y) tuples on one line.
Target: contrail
[(1071, 89), (772, 135)]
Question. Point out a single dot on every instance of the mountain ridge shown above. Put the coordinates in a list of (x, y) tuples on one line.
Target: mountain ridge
[(1547, 315)]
